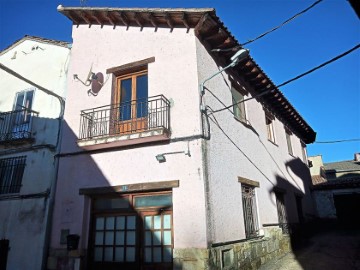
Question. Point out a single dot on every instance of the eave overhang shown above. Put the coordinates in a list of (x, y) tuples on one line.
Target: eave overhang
[(214, 35)]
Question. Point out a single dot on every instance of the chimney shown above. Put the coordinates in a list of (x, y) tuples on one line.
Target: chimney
[(357, 156)]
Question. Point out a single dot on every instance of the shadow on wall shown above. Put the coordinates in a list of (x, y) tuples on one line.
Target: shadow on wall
[(116, 229)]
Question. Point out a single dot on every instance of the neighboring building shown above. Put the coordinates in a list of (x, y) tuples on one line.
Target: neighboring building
[(33, 74), (336, 189), (148, 178)]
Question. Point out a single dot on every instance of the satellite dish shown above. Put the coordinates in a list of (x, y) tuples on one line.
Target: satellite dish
[(97, 82)]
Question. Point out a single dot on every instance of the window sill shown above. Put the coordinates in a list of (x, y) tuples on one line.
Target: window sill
[(148, 136), (244, 122), (274, 143)]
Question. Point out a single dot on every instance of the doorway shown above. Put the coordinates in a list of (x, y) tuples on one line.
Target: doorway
[(134, 231)]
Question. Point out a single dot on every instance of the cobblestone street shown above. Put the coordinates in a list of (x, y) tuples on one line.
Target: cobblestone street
[(329, 250)]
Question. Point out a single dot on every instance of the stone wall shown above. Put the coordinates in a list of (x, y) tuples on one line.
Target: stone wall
[(243, 255)]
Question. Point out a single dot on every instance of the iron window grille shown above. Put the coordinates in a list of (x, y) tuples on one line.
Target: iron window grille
[(11, 174), (250, 211), (280, 205)]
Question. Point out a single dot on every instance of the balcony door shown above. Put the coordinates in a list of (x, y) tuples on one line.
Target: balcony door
[(131, 102), (21, 118)]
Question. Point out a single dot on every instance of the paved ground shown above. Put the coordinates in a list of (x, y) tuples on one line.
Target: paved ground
[(330, 250)]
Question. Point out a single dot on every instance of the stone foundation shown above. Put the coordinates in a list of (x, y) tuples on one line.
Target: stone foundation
[(250, 254)]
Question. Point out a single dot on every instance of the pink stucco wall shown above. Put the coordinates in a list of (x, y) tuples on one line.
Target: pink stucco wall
[(173, 74), (243, 150)]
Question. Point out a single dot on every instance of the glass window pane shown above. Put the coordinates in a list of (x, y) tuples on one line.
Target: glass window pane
[(130, 238), (125, 99), (141, 95), (98, 254), (157, 254), (167, 255), (148, 255), (110, 221), (99, 223), (157, 238), (19, 101), (130, 254), (108, 254), (131, 222), (120, 238), (109, 238), (99, 236), (157, 222), (104, 204), (167, 238), (150, 201), (167, 222), (148, 222), (119, 254), (147, 238), (120, 223), (28, 99)]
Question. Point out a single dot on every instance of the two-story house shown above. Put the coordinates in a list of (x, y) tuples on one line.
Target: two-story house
[(155, 172), (33, 74)]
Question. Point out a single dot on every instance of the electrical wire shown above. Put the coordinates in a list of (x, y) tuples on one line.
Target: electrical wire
[(340, 141), (293, 79), (271, 30)]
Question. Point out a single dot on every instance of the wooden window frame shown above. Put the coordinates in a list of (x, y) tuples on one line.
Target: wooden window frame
[(241, 107), (270, 127), (288, 135)]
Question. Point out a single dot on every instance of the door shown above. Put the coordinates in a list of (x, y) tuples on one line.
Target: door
[(133, 231), (131, 99), (157, 241), (21, 119)]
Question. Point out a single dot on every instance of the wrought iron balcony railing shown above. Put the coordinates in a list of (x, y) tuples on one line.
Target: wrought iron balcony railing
[(128, 117), (16, 125)]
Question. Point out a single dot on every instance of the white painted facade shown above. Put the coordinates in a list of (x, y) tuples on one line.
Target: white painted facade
[(24, 214)]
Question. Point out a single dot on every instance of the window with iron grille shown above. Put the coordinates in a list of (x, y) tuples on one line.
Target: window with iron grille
[(250, 211), (11, 174)]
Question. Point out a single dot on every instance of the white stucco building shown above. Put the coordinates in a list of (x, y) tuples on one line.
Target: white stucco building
[(33, 74), (152, 175)]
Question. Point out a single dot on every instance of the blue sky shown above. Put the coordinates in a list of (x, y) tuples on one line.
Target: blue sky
[(328, 99)]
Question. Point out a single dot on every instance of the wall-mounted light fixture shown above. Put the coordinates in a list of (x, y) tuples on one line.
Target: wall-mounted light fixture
[(161, 157)]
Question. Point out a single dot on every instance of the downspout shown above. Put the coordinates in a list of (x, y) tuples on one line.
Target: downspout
[(56, 160), (238, 56)]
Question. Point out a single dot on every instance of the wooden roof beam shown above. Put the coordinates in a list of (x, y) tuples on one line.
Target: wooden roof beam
[(184, 21), (152, 21), (169, 22), (75, 20), (85, 18), (96, 17), (124, 19), (138, 21), (110, 19), (200, 24)]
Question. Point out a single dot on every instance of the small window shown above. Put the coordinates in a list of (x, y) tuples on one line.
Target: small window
[(250, 211), (270, 127), (288, 141), (23, 103), (11, 174), (239, 108), (304, 154)]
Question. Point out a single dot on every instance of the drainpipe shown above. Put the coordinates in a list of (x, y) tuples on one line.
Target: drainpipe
[(56, 160), (238, 56)]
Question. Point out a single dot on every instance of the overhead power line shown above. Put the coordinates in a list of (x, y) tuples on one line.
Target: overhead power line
[(340, 141), (293, 79), (271, 30)]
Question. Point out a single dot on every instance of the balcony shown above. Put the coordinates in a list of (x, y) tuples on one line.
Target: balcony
[(16, 126), (128, 123)]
